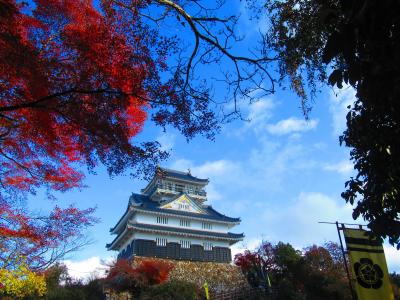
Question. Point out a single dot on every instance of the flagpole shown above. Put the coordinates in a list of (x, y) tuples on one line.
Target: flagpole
[(345, 261)]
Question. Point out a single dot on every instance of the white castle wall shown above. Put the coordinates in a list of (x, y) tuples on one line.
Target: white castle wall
[(175, 222)]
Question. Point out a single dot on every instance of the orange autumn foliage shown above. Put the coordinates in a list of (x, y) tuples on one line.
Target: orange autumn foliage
[(123, 277)]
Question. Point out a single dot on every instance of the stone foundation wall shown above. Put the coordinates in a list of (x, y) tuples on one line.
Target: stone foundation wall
[(219, 276)]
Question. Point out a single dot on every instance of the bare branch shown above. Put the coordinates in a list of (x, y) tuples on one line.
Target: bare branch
[(213, 38)]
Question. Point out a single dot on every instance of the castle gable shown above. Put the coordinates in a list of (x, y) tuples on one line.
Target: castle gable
[(183, 203)]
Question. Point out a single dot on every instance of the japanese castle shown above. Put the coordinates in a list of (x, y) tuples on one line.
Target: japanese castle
[(170, 220)]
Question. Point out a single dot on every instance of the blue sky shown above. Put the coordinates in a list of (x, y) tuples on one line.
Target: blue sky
[(279, 173)]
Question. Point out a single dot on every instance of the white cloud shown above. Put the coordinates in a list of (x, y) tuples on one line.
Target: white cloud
[(339, 101), (212, 193), (291, 125), (88, 268), (344, 167), (256, 115), (167, 141), (240, 247), (392, 258), (181, 164), (213, 169), (301, 219), (263, 169), (270, 166), (260, 111), (216, 171)]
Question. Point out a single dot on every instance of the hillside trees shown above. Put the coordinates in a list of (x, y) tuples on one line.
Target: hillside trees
[(315, 273), (61, 286), (41, 240), (350, 43)]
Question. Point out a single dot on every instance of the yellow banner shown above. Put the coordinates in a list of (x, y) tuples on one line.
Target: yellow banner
[(370, 276)]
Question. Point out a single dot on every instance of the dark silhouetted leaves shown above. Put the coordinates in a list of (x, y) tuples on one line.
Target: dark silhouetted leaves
[(360, 42)]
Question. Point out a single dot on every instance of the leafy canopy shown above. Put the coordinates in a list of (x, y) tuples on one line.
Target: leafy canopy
[(351, 43)]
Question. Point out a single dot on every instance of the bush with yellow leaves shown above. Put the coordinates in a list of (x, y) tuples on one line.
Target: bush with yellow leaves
[(20, 282)]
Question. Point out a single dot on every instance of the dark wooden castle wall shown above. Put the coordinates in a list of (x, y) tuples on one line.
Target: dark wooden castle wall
[(175, 251)]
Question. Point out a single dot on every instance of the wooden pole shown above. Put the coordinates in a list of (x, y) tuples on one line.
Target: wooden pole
[(345, 261)]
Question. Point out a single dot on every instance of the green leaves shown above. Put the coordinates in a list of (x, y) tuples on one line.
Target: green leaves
[(332, 48), (336, 77)]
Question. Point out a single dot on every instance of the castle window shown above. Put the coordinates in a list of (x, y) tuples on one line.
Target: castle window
[(184, 223), (179, 188), (161, 242), (162, 220), (185, 244), (169, 186), (206, 225), (207, 246)]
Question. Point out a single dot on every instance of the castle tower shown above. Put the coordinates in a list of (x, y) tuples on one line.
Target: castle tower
[(170, 220)]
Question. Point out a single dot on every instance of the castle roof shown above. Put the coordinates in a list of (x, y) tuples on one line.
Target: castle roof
[(186, 176), (209, 212), (143, 203), (151, 227), (139, 227), (173, 175)]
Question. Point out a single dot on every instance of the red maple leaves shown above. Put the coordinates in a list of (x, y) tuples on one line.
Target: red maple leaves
[(40, 239), (71, 89), (123, 277)]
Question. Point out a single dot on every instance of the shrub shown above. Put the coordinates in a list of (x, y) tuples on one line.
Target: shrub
[(172, 290), (125, 278), (21, 282)]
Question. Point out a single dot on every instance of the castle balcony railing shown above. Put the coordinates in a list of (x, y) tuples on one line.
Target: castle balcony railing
[(172, 189)]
